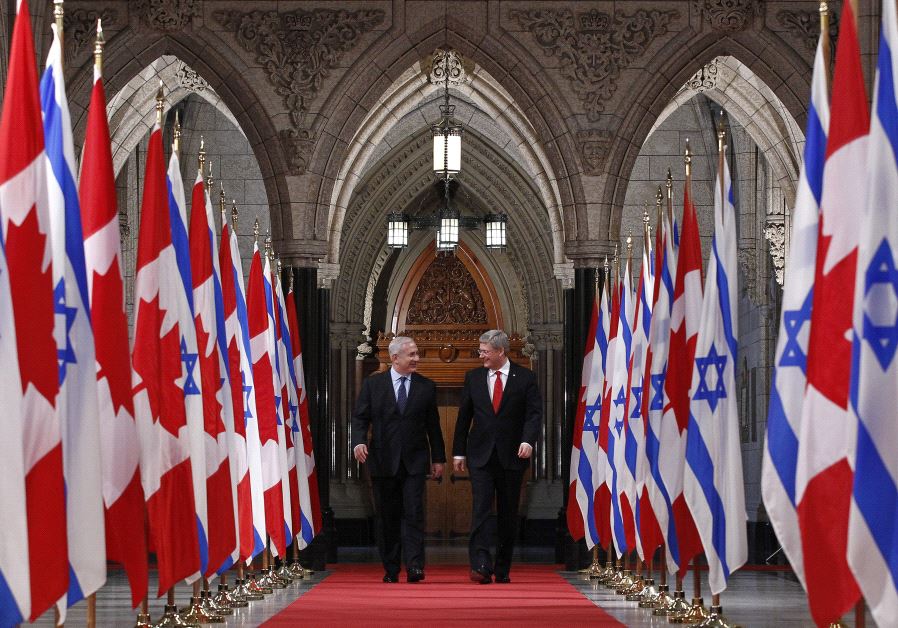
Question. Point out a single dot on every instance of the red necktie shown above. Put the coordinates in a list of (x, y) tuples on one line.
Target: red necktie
[(497, 392)]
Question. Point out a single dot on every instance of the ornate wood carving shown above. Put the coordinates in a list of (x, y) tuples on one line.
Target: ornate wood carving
[(594, 46), (298, 50), (167, 15), (805, 26), (728, 15), (447, 295), (81, 27)]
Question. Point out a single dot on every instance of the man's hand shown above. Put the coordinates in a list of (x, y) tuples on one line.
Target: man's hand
[(436, 470), (524, 450), (360, 452), (459, 465)]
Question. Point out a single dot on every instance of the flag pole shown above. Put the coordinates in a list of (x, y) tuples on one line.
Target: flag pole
[(825, 43), (58, 14)]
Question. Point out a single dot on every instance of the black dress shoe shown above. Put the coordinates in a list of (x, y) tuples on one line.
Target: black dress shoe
[(414, 575), (503, 578), (481, 575), (390, 578)]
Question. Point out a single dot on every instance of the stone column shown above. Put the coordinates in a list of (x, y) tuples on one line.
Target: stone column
[(313, 312), (578, 303)]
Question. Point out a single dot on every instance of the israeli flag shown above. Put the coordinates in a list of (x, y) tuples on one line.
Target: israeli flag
[(712, 482), (873, 519)]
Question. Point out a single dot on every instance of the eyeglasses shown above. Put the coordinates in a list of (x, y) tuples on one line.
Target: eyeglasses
[(485, 351)]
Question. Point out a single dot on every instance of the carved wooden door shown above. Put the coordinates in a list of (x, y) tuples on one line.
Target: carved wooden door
[(448, 503)]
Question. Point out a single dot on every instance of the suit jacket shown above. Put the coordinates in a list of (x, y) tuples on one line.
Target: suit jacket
[(413, 436), (479, 428)]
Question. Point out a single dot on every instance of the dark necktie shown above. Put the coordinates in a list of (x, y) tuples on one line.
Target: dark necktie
[(401, 396), (497, 392)]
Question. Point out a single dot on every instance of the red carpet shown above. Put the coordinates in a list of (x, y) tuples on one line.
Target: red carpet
[(354, 595)]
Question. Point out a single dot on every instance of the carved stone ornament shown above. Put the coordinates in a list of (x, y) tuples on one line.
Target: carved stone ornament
[(447, 295), (728, 15), (775, 233), (704, 79), (167, 15), (594, 145), (80, 27), (297, 146), (189, 79), (439, 68), (299, 48), (805, 26), (594, 46)]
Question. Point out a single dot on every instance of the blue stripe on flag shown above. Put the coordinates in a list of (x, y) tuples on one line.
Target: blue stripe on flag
[(814, 153), (74, 240), (702, 466), (615, 503), (885, 105), (10, 615), (204, 546), (75, 594), (584, 474), (782, 443), (876, 496), (652, 452), (181, 244), (723, 292), (306, 526)]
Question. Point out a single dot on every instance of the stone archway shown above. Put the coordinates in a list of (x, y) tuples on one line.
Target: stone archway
[(491, 105)]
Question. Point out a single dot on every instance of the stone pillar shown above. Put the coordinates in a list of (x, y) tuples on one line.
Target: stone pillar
[(313, 311), (578, 303)]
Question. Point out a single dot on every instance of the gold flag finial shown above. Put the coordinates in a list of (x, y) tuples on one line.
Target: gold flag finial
[(721, 132), (209, 178), (160, 103), (629, 242), (59, 16), (201, 159), (221, 197), (234, 215), (280, 268), (645, 209), (289, 280), (605, 266), (256, 230), (268, 249), (176, 135), (99, 43), (687, 159)]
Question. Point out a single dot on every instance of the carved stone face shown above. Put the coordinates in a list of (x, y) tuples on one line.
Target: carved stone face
[(593, 153)]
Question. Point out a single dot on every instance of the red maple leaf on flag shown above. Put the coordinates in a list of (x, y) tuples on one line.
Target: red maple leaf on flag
[(37, 348), (210, 371), (115, 364), (159, 365)]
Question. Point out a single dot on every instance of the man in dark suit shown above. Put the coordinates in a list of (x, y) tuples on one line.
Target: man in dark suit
[(499, 418), (400, 407)]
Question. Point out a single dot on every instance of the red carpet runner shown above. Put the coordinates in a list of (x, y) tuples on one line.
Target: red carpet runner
[(354, 595)]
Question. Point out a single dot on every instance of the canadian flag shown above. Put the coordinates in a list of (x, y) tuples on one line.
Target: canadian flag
[(309, 503), (218, 411), (246, 452), (125, 511), (262, 344), (24, 211), (160, 384)]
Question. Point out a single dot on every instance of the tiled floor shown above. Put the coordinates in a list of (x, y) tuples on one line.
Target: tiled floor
[(761, 599), (753, 599)]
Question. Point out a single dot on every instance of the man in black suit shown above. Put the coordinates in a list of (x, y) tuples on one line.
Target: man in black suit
[(499, 418), (400, 407)]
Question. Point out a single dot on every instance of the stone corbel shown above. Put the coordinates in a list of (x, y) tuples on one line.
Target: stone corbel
[(564, 272), (775, 234), (327, 274)]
